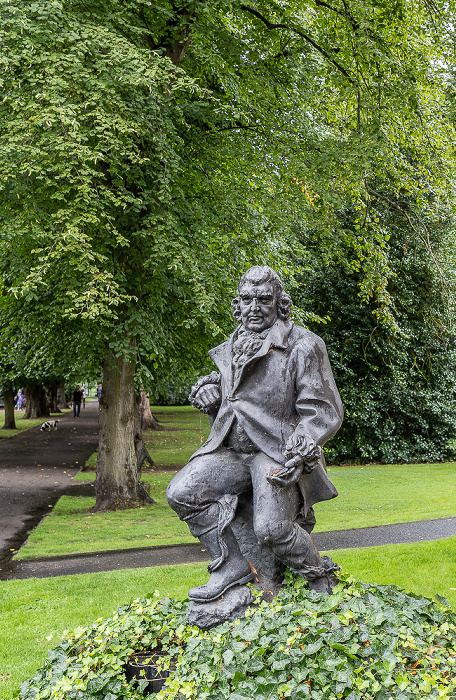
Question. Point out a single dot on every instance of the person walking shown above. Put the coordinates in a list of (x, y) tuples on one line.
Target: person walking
[(77, 398)]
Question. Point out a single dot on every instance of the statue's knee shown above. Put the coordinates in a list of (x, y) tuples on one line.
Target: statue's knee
[(175, 495), (267, 533)]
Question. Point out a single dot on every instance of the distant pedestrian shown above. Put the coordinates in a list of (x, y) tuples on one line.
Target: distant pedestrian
[(99, 388), (77, 398), (84, 394), (19, 400)]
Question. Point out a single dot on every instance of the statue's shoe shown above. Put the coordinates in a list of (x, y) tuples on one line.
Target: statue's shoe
[(219, 582), (323, 584)]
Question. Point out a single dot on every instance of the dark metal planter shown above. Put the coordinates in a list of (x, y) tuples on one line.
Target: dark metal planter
[(142, 666)]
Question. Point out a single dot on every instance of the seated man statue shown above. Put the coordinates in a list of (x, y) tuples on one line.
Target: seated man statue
[(273, 405)]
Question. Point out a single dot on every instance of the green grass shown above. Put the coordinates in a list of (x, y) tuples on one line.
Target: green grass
[(23, 424), (34, 612), (369, 495), (173, 448), (423, 567), (378, 494), (72, 528)]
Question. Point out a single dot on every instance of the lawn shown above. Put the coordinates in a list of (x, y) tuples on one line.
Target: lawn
[(23, 424), (378, 494), (71, 527), (369, 495), (171, 449), (34, 612)]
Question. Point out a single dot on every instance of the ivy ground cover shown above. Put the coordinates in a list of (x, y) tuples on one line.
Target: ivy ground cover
[(365, 642), (35, 612)]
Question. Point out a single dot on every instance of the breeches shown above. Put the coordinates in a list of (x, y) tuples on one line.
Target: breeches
[(208, 478)]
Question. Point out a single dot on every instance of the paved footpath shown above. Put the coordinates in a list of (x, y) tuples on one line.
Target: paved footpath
[(36, 468)]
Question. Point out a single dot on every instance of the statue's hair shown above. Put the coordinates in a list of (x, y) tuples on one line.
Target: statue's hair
[(258, 275)]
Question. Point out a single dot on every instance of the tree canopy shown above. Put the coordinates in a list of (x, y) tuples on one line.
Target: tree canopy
[(150, 151)]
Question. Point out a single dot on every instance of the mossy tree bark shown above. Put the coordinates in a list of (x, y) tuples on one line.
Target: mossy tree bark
[(8, 398), (118, 477), (36, 402)]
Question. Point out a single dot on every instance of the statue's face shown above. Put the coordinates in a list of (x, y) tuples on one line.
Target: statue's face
[(258, 304)]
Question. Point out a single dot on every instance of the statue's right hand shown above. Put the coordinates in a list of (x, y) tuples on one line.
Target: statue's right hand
[(209, 395)]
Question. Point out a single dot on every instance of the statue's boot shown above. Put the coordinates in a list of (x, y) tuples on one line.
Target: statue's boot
[(228, 569), (295, 549)]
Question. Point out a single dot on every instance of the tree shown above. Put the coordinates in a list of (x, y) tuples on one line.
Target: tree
[(147, 420), (396, 380), (151, 152)]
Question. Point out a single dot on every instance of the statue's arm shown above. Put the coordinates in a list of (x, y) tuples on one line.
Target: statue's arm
[(320, 413), (206, 394), (318, 404)]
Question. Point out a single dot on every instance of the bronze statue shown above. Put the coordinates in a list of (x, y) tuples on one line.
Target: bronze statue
[(273, 405)]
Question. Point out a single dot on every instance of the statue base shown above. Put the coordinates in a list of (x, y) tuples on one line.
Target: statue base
[(227, 608)]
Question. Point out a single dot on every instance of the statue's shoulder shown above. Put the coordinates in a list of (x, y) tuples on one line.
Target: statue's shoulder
[(302, 338), (220, 351)]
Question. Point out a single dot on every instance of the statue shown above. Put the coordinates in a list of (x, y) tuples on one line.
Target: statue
[(273, 405)]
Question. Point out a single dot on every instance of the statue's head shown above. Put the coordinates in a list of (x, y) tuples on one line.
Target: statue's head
[(261, 299)]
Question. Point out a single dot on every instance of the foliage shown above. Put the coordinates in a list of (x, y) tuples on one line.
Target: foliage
[(162, 148), (149, 152), (396, 379), (366, 641)]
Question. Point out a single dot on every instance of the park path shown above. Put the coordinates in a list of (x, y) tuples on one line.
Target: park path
[(398, 533), (36, 468)]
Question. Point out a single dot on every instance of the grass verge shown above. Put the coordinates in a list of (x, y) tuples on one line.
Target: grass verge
[(369, 495), (379, 494), (34, 612), (71, 527)]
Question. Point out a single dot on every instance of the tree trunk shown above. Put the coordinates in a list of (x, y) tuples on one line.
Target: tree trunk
[(117, 482), (36, 402), (148, 422), (8, 398), (61, 397), (142, 454), (53, 398)]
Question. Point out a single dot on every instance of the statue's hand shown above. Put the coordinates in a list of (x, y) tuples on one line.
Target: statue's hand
[(302, 447), (209, 395), (289, 474)]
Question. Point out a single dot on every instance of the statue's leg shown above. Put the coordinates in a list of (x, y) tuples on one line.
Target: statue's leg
[(275, 513), (204, 495)]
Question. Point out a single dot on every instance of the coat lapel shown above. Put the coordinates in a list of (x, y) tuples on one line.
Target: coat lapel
[(277, 338), (221, 356)]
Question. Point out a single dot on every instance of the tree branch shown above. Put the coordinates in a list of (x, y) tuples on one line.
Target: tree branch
[(345, 15), (317, 47)]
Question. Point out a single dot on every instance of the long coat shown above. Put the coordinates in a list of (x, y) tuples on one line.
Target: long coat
[(287, 382)]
